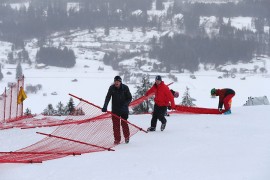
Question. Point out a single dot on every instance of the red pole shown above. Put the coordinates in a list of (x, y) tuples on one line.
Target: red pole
[(14, 161), (59, 137), (170, 84), (22, 102), (5, 95), (108, 112), (46, 153), (10, 107), (18, 86)]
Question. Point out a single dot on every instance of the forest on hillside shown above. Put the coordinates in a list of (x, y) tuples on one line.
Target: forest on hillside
[(189, 46)]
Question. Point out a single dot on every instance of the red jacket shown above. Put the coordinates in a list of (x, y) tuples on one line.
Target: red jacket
[(222, 93), (163, 95)]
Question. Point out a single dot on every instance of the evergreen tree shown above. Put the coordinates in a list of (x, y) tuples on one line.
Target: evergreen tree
[(1, 74), (186, 99), (49, 111), (25, 56), (145, 106), (70, 106), (61, 110), (159, 4), (11, 58), (56, 57), (27, 112), (106, 59), (19, 71), (107, 30)]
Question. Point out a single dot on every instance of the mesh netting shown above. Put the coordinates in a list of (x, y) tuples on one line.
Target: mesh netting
[(138, 101), (195, 110), (92, 132), (10, 110), (11, 116)]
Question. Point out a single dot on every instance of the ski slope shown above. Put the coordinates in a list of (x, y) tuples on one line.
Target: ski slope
[(192, 147)]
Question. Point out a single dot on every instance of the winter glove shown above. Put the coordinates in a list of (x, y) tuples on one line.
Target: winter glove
[(220, 109), (104, 109)]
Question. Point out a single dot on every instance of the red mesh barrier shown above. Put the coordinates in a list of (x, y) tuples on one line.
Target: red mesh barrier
[(10, 110), (195, 110), (138, 101), (26, 122), (179, 108), (91, 132), (20, 121)]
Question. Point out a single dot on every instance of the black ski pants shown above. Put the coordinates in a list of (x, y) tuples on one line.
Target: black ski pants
[(159, 113)]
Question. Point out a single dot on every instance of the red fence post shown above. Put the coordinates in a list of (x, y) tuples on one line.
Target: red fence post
[(5, 95)]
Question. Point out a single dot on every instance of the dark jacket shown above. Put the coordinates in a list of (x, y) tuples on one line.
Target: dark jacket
[(121, 97), (222, 93)]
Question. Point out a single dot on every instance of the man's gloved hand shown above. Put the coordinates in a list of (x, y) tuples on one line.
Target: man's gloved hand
[(171, 107), (220, 109), (104, 109)]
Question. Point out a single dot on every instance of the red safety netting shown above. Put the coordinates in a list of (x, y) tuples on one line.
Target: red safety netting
[(10, 110), (26, 122), (20, 121), (92, 132), (138, 101), (195, 110)]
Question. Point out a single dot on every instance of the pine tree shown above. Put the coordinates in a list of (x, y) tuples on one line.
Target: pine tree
[(186, 99), (70, 106), (49, 111), (61, 110), (11, 58), (145, 106), (1, 74), (27, 112), (19, 71)]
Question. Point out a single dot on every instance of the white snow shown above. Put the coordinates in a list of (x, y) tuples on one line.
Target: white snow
[(17, 6), (192, 147), (206, 147), (241, 23)]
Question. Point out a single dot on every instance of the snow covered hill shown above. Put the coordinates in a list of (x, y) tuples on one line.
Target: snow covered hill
[(192, 147), (207, 147), (204, 147)]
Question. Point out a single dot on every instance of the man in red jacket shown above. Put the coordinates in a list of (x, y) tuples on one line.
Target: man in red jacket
[(225, 97), (163, 97)]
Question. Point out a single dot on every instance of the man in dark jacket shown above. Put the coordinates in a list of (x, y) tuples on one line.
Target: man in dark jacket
[(163, 97), (225, 97), (121, 97)]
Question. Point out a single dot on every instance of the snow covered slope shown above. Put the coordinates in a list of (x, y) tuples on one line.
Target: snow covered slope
[(192, 147)]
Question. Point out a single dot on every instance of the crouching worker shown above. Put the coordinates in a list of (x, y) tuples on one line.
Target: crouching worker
[(163, 97), (121, 97), (225, 97)]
